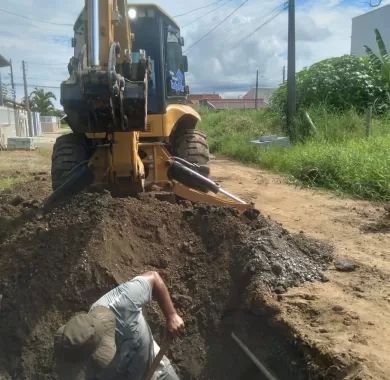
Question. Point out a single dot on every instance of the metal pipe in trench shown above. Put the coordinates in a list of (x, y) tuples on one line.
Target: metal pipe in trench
[(253, 358)]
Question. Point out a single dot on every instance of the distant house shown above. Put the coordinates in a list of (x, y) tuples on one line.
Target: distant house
[(227, 104), (194, 99), (263, 93), (363, 28)]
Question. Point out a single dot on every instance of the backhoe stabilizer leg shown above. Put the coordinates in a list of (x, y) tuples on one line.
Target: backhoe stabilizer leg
[(185, 178)]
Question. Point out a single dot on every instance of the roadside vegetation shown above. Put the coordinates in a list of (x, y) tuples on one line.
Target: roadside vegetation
[(333, 145), (337, 155)]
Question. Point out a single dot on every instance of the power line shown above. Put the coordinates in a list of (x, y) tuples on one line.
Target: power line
[(197, 9), (262, 25), (37, 85), (260, 18), (217, 26), (43, 79), (206, 14), (58, 65), (33, 19)]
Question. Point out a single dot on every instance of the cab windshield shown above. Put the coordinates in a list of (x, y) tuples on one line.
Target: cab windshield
[(174, 65)]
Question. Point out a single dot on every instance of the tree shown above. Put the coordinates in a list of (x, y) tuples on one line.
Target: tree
[(381, 61), (41, 101)]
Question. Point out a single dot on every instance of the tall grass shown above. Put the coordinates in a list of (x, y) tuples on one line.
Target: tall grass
[(337, 155)]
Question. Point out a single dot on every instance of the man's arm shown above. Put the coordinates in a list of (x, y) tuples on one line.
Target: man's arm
[(160, 292)]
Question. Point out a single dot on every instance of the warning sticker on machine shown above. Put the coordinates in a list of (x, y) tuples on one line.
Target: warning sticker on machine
[(177, 82)]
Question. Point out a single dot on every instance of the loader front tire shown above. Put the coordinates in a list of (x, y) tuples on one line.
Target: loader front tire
[(192, 146), (69, 151)]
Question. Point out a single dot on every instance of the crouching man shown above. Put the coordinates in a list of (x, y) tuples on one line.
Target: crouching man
[(113, 341)]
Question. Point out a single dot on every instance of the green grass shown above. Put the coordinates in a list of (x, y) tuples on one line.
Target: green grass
[(336, 156), (11, 182)]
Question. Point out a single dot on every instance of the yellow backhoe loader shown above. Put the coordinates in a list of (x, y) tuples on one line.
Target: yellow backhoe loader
[(126, 103)]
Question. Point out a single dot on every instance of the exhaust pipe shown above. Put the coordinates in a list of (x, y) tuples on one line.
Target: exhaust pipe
[(93, 32)]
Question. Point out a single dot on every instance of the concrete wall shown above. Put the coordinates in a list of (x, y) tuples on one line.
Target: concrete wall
[(7, 125), (363, 30), (9, 128)]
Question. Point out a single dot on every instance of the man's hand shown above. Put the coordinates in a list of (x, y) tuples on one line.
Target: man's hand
[(174, 322), (175, 325)]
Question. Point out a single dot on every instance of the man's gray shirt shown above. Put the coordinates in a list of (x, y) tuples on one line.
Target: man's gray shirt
[(133, 337)]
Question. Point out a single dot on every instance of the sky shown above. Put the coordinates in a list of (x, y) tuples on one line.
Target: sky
[(225, 61)]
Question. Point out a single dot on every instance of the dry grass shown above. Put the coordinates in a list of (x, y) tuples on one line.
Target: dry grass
[(19, 166)]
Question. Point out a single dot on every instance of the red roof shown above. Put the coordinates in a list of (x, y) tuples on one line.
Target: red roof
[(263, 92), (196, 98), (222, 104)]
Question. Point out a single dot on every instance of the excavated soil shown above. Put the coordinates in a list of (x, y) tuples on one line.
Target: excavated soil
[(225, 272)]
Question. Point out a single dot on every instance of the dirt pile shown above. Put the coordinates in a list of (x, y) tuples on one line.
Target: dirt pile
[(220, 268)]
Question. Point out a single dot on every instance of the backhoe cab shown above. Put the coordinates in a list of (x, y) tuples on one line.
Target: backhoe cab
[(159, 35), (125, 102)]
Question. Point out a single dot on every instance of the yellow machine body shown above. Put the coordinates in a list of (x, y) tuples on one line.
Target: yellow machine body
[(114, 163), (131, 153)]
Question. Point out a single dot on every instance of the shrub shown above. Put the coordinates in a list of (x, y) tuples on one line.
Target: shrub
[(339, 83), (381, 61)]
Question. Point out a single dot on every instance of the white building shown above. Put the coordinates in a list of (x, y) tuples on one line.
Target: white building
[(363, 30)]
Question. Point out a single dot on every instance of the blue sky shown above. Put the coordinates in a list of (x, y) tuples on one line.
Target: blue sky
[(225, 62)]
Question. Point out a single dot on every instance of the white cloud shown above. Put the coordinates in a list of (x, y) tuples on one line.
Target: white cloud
[(224, 62)]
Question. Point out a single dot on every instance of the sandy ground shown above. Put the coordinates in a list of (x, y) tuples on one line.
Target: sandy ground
[(47, 140), (349, 316)]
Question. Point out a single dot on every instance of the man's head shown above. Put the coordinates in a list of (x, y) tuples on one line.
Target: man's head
[(85, 345)]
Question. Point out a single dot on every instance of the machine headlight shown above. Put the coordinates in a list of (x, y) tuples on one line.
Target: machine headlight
[(132, 13)]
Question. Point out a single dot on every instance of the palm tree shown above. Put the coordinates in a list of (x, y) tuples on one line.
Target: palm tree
[(41, 101), (381, 60)]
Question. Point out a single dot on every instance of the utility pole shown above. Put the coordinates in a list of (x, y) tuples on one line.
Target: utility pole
[(292, 100), (27, 100), (13, 94), (257, 89), (1, 92), (284, 74)]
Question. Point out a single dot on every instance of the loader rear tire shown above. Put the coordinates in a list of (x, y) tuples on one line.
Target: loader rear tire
[(69, 151), (192, 146)]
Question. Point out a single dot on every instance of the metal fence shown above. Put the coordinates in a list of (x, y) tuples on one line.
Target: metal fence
[(50, 124)]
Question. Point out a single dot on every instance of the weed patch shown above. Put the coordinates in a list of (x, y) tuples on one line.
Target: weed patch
[(11, 182)]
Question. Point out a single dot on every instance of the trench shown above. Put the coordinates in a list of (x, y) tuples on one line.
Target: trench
[(281, 354), (271, 343), (218, 266)]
